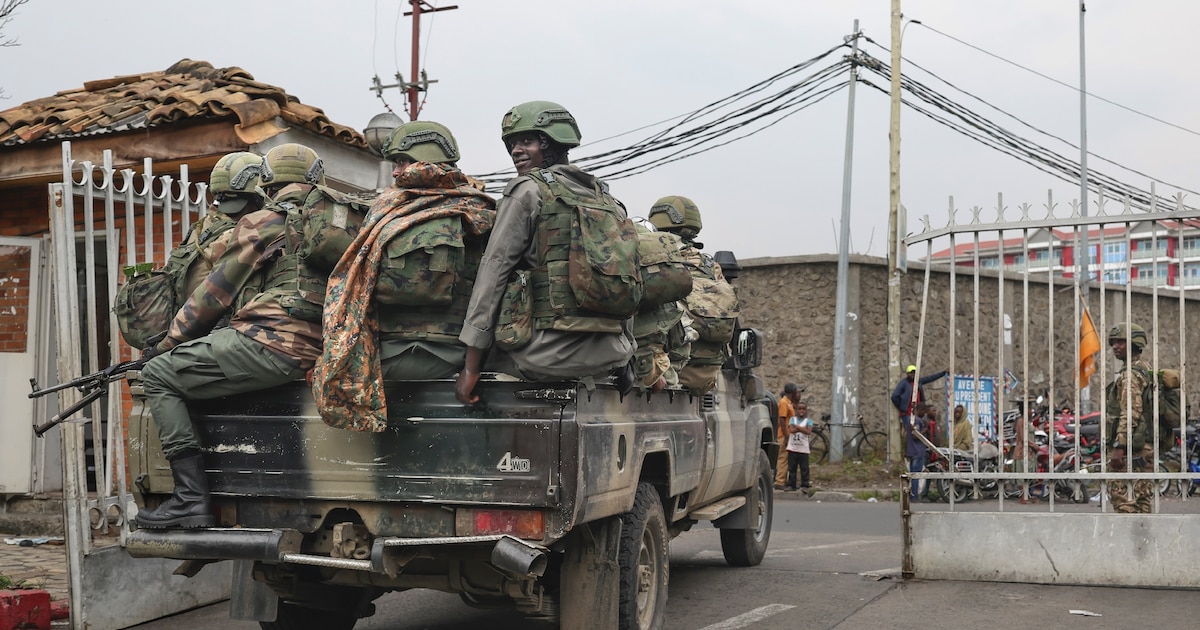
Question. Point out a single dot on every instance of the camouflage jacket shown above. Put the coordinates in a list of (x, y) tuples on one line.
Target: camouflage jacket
[(1131, 382), (293, 193), (242, 251), (347, 380)]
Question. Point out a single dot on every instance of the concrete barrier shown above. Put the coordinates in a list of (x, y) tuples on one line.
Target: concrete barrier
[(1157, 550)]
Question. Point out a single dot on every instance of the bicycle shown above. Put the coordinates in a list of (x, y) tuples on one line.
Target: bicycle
[(863, 444)]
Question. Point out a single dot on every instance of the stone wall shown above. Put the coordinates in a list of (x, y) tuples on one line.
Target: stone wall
[(792, 301)]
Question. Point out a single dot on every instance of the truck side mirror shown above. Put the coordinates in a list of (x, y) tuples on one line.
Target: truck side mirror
[(747, 349)]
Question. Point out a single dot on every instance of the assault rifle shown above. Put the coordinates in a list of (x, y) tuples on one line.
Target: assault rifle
[(92, 386)]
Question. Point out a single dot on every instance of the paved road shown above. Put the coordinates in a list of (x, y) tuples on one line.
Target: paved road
[(830, 565)]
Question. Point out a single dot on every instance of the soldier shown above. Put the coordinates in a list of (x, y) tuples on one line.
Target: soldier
[(712, 305), (565, 340), (292, 172), (1130, 449), (263, 346), (415, 260), (147, 304)]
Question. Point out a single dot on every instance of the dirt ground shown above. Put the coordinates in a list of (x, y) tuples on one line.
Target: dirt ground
[(856, 474)]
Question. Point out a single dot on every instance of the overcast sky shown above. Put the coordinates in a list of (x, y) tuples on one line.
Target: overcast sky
[(619, 65)]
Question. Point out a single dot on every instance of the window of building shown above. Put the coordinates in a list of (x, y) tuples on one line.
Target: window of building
[(1114, 252), (990, 262)]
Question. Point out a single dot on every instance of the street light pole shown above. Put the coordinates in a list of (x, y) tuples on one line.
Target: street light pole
[(843, 272)]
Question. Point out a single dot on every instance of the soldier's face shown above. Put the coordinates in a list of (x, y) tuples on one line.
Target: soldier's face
[(1119, 348), (401, 164), (526, 151)]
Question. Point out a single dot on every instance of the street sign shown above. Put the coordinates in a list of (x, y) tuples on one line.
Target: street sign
[(1010, 381)]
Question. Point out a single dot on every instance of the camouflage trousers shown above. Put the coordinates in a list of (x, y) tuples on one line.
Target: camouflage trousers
[(223, 363), (1140, 501)]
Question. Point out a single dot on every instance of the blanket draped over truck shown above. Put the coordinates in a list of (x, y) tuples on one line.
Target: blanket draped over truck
[(347, 379)]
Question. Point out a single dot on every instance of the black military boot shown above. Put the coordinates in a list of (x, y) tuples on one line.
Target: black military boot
[(190, 505)]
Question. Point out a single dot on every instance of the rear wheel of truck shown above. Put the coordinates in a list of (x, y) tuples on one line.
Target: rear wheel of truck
[(643, 563), (746, 547), (293, 617)]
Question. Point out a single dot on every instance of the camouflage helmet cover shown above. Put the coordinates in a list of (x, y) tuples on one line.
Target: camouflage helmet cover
[(549, 118), (676, 213), (422, 141), (293, 163), (1136, 334), (236, 177)]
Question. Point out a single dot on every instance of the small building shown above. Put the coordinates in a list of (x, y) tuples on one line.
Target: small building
[(181, 121)]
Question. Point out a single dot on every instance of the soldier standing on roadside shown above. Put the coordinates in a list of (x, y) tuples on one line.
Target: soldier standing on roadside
[(1129, 449)]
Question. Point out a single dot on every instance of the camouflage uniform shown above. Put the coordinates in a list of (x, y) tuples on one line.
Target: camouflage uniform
[(1139, 452), (199, 236), (699, 374), (347, 380), (195, 365), (552, 354)]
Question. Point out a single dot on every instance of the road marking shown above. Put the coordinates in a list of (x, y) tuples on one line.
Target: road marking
[(709, 554), (754, 616)]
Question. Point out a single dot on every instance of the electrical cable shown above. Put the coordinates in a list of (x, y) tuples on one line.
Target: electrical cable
[(1049, 78)]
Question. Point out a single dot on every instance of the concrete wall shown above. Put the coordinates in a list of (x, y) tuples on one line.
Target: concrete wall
[(1092, 549), (792, 300)]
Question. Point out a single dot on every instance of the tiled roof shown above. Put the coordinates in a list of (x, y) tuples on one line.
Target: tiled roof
[(188, 90)]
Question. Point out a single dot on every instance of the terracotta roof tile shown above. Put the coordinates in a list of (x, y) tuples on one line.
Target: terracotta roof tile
[(189, 89)]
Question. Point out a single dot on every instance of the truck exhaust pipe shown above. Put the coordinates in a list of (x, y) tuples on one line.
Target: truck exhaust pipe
[(519, 557)]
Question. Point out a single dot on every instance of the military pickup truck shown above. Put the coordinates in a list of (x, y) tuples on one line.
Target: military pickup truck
[(556, 499)]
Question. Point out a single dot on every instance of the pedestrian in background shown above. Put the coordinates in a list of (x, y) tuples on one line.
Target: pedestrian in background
[(800, 426), (787, 408), (902, 396), (914, 449), (964, 438)]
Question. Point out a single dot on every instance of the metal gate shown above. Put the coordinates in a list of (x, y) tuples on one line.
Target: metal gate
[(101, 219), (1029, 302)]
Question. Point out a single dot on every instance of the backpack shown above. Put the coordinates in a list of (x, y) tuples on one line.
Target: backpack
[(316, 234), (1165, 385), (665, 275), (588, 252), (422, 264), (148, 301), (713, 307)]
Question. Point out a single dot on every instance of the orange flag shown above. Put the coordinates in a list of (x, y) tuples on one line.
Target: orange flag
[(1089, 345)]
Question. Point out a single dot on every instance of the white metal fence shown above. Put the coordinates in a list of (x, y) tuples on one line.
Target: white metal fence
[(1143, 262), (101, 219)]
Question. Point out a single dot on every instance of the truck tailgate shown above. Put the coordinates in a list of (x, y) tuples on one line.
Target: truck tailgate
[(504, 450)]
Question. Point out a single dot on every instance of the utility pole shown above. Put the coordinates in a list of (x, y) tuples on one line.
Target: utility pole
[(836, 433), (1086, 275), (414, 87), (893, 264)]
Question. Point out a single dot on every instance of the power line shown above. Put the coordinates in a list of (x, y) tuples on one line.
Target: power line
[(1049, 78)]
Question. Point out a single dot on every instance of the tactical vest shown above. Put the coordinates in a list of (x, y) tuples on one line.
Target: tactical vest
[(713, 307), (312, 235), (587, 278), (665, 274), (148, 301), (425, 281)]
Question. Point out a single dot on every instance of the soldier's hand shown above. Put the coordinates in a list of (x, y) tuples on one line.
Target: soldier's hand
[(149, 352), (1117, 458), (464, 386)]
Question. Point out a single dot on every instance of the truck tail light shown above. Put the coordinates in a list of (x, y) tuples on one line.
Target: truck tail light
[(527, 524)]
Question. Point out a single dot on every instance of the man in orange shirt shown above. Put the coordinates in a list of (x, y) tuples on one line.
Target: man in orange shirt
[(787, 409)]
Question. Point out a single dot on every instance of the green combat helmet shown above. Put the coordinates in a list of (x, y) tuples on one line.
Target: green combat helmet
[(422, 141), (1136, 334), (677, 214), (293, 163), (549, 118), (234, 181)]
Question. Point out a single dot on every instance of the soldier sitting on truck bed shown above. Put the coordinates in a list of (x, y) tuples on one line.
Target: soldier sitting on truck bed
[(265, 345), (397, 298), (545, 329), (712, 305), (146, 304)]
